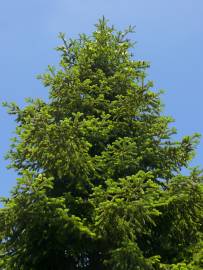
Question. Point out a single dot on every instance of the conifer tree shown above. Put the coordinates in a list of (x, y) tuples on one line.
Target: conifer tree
[(100, 184)]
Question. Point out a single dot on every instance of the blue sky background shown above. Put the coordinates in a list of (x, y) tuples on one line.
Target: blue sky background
[(169, 34)]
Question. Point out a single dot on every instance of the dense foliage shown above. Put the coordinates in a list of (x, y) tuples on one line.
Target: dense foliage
[(100, 184)]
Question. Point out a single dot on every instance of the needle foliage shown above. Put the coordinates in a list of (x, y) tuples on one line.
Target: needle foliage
[(100, 184)]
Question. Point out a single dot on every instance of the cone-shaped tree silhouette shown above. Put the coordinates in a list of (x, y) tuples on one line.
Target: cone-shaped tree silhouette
[(100, 184)]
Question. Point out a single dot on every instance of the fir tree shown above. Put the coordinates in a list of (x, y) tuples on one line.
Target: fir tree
[(100, 184)]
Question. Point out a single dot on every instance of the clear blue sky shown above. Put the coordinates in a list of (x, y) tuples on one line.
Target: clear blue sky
[(169, 34)]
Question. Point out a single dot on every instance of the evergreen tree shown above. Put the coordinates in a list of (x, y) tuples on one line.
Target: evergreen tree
[(100, 184)]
